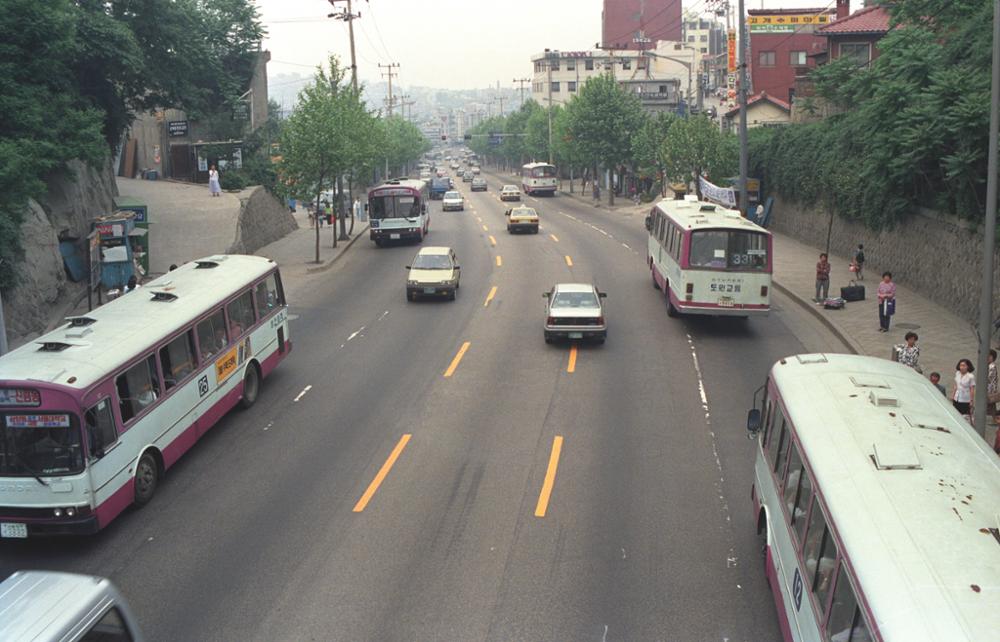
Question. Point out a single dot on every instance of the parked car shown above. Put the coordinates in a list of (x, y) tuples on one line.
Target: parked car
[(510, 193), (575, 311), (452, 201), (522, 219), (434, 272), (478, 184)]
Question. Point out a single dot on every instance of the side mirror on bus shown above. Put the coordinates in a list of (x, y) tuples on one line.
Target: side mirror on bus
[(546, 295), (408, 267), (753, 421), (649, 222), (603, 295)]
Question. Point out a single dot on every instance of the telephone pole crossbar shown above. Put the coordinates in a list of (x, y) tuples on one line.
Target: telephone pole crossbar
[(349, 17), (389, 74)]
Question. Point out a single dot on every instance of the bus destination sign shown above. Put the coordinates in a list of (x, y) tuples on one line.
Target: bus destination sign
[(20, 397), (38, 421)]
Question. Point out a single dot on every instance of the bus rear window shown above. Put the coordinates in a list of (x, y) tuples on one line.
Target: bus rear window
[(544, 172), (728, 250), (393, 207)]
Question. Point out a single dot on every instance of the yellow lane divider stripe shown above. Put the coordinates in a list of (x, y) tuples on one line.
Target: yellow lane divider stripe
[(489, 297), (458, 357), (550, 477), (571, 366), (386, 467), (569, 261)]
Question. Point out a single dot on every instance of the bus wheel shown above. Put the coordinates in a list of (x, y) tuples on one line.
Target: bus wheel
[(671, 310), (655, 284), (251, 386), (147, 477)]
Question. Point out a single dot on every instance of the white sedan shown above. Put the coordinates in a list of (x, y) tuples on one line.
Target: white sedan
[(452, 201)]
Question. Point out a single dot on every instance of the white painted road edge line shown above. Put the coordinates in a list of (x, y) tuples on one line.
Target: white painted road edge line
[(303, 393)]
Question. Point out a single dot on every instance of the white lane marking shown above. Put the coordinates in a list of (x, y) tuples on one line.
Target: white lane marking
[(356, 333), (626, 246), (269, 424), (303, 393), (605, 637), (384, 315)]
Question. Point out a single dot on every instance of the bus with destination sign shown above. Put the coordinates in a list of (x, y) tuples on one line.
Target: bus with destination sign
[(94, 413), (397, 211)]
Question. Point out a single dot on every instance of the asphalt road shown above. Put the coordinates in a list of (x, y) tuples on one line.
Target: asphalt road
[(647, 532)]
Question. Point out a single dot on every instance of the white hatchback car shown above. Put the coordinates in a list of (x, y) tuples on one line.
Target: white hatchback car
[(452, 201), (434, 272), (575, 311), (510, 193)]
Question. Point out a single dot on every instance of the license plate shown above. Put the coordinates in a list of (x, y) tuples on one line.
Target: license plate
[(394, 237), (19, 531), (725, 302), (429, 290), (575, 335)]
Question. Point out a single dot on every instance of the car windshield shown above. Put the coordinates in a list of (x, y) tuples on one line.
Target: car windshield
[(523, 211), (509, 188), (729, 249), (452, 195), (432, 262), (575, 300), (40, 444), (393, 207)]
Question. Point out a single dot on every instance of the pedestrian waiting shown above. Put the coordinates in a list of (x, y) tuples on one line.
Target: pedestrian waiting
[(908, 353), (886, 301), (822, 279), (965, 388), (858, 263), (935, 378)]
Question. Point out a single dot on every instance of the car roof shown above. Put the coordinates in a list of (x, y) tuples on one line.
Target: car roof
[(575, 287), (523, 207), (435, 250), (513, 187), (45, 604)]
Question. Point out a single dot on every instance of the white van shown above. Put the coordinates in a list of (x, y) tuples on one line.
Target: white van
[(45, 605)]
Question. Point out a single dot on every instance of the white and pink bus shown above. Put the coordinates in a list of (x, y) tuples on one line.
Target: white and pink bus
[(93, 413), (708, 260), (397, 211), (539, 178), (876, 504)]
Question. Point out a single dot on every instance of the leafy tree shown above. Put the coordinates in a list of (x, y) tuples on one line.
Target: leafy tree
[(694, 147), (647, 144), (602, 118), (403, 142)]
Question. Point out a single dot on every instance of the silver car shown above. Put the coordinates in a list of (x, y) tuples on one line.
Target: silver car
[(575, 311), (478, 184)]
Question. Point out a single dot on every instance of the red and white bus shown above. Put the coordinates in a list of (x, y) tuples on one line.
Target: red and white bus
[(397, 211), (708, 260), (876, 505), (539, 178), (93, 413)]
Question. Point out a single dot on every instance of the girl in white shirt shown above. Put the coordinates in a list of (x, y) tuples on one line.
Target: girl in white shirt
[(965, 387)]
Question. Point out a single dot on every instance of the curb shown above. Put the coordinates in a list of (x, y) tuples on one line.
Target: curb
[(830, 325), (328, 264)]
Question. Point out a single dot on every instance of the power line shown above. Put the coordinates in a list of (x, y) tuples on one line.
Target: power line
[(378, 32)]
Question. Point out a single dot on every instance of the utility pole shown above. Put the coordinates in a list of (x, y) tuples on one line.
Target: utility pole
[(3, 324), (521, 82), (744, 159), (389, 74), (500, 99), (348, 17), (989, 234)]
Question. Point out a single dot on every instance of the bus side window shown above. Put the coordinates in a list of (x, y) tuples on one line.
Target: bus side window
[(820, 555), (780, 451), (101, 431), (267, 296), (678, 239), (846, 623), (797, 485), (138, 387), (177, 359), (110, 628), (801, 509), (240, 313), (212, 336)]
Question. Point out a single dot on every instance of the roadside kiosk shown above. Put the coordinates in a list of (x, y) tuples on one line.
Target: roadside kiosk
[(140, 242), (117, 238)]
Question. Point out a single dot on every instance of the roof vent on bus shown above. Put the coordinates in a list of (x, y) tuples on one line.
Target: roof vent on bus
[(207, 264), (706, 208), (690, 198), (883, 400), (863, 381), (78, 332), (926, 423), (806, 359), (80, 322), (53, 346), (163, 297), (893, 454)]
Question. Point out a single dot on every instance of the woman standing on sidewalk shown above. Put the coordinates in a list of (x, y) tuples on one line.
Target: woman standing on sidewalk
[(908, 353), (886, 301), (214, 188), (965, 387)]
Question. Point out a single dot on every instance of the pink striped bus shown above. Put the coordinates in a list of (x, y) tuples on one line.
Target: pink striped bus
[(93, 413), (708, 260)]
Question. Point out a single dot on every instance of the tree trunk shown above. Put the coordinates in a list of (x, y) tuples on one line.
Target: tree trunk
[(342, 212), (319, 191), (611, 188)]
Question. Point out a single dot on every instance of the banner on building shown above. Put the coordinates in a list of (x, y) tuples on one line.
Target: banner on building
[(731, 42), (724, 196), (785, 23)]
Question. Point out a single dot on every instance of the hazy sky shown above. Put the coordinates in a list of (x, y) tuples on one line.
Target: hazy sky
[(458, 44)]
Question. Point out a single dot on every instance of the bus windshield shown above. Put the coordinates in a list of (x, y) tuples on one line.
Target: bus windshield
[(547, 171), (394, 207), (729, 250), (39, 444)]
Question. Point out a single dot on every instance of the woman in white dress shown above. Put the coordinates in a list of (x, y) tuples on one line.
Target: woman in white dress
[(213, 181)]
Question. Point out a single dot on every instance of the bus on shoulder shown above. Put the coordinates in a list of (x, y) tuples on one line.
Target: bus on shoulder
[(708, 260), (876, 504), (94, 413)]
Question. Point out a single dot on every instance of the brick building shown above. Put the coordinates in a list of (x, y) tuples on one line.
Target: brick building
[(781, 41), (856, 35), (637, 24)]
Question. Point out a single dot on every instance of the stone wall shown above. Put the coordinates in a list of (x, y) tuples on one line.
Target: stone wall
[(74, 198), (937, 255), (263, 219)]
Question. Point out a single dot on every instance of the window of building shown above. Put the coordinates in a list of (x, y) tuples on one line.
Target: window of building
[(539, 66), (704, 50), (846, 621), (212, 337), (797, 58), (588, 64), (177, 359), (642, 63), (100, 427), (690, 38), (703, 39), (555, 86), (138, 387), (692, 25), (626, 63), (704, 24), (571, 85), (241, 317), (554, 64), (860, 52), (570, 65), (766, 59), (662, 89)]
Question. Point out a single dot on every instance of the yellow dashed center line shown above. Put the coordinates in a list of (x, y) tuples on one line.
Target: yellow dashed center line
[(493, 241), (550, 477), (499, 261), (486, 229), (489, 297), (458, 357), (569, 261), (571, 366), (554, 237), (386, 467)]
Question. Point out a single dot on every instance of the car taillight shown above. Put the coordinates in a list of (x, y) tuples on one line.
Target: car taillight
[(550, 320), (690, 288), (600, 320), (763, 290)]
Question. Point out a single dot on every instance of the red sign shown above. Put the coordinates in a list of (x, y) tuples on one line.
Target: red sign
[(731, 41), (19, 397)]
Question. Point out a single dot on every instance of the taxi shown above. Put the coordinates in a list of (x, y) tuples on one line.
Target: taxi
[(522, 218)]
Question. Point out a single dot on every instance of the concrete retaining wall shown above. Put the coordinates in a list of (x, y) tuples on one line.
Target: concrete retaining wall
[(937, 255), (263, 219)]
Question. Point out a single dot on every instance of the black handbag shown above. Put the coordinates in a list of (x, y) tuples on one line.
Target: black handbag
[(853, 292)]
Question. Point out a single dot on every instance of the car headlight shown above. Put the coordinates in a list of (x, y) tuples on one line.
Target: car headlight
[(411, 282)]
